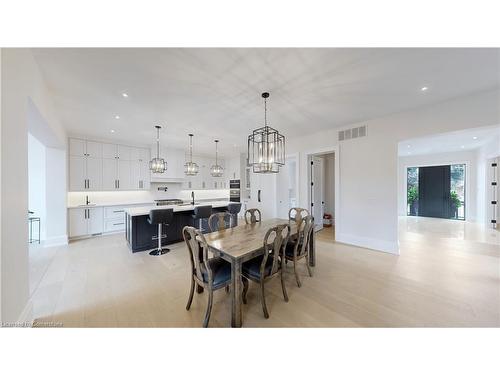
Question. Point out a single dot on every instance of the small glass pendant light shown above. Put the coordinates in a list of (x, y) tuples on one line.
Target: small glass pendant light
[(158, 165), (191, 168), (216, 170)]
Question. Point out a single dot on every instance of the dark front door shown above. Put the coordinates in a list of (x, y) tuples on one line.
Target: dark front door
[(434, 191)]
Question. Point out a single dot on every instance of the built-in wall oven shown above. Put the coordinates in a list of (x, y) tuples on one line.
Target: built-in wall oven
[(234, 191)]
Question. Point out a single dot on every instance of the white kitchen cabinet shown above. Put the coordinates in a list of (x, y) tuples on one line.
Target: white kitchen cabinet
[(113, 151), (139, 175), (85, 221), (117, 174), (85, 173), (263, 194), (139, 154), (81, 147)]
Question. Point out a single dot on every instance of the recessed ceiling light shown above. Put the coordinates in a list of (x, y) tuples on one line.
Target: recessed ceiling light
[(462, 146), (425, 88), (409, 146), (117, 117), (474, 137), (124, 94), (112, 131)]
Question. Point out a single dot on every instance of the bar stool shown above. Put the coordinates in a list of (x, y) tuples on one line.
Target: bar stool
[(160, 217), (233, 209), (200, 213)]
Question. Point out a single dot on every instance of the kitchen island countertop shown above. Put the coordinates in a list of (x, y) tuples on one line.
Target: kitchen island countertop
[(144, 210)]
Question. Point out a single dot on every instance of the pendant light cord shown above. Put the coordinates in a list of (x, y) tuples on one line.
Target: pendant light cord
[(157, 143)]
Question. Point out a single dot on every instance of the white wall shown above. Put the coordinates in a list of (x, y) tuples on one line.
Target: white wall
[(467, 157), (36, 182), (55, 197), (21, 83), (367, 208)]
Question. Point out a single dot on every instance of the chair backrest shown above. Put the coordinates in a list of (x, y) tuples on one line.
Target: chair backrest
[(218, 220), (297, 214), (234, 208), (198, 252), (202, 212), (304, 235), (252, 212), (275, 242), (161, 216)]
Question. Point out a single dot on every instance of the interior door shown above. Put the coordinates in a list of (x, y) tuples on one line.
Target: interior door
[(317, 192), (434, 191)]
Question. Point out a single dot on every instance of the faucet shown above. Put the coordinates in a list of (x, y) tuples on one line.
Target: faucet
[(87, 202), (192, 196)]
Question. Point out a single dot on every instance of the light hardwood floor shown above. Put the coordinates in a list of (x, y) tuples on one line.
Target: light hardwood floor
[(448, 275)]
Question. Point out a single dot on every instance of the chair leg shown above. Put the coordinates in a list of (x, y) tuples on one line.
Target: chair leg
[(245, 290), (227, 288), (283, 287), (209, 308), (308, 266), (191, 292), (296, 273), (263, 300)]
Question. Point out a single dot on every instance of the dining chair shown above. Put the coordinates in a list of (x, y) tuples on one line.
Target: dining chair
[(253, 215), (219, 221), (297, 214), (210, 273), (300, 247), (265, 267)]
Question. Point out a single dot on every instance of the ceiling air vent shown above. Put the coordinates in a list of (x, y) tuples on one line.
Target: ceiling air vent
[(352, 133)]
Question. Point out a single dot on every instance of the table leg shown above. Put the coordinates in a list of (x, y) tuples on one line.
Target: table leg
[(199, 289), (312, 249), (236, 294)]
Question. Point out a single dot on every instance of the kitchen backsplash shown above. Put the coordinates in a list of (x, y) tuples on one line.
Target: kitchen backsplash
[(173, 191)]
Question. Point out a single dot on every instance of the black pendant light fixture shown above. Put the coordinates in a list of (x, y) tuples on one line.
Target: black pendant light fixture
[(191, 168), (216, 170), (158, 165), (266, 147)]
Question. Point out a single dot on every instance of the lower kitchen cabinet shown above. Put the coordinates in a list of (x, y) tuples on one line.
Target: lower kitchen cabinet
[(85, 221)]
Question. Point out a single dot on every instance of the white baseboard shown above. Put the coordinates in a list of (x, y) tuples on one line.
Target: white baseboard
[(56, 241), (391, 247)]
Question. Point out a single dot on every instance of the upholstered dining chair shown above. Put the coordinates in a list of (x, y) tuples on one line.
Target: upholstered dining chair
[(265, 267), (219, 221), (299, 249), (210, 273), (251, 215)]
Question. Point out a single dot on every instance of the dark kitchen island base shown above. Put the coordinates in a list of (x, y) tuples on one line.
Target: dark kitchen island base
[(141, 235)]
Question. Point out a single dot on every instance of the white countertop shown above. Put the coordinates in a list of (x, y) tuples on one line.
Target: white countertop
[(139, 211), (112, 204)]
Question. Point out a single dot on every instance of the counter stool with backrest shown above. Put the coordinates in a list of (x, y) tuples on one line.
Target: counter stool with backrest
[(233, 209), (267, 266), (160, 217), (300, 248), (201, 213), (210, 273), (253, 213)]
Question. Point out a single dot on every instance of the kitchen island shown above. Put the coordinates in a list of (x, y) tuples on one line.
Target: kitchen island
[(141, 235)]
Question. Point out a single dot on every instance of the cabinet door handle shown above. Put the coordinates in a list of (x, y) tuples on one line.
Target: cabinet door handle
[(85, 213), (118, 184), (118, 223), (118, 211), (88, 215), (258, 196)]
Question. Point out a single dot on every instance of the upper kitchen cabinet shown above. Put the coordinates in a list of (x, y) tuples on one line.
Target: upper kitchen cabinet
[(81, 147), (112, 151), (175, 165), (85, 165)]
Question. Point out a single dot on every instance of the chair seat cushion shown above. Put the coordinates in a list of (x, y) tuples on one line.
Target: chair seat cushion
[(221, 271), (252, 267), (290, 248)]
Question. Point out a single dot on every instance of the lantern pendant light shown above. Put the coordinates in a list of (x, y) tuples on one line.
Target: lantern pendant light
[(266, 147), (158, 165), (191, 168), (216, 170)]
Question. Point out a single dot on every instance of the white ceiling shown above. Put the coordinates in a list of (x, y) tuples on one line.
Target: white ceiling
[(464, 140), (215, 93)]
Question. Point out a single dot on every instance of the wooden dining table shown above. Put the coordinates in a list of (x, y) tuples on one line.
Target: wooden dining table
[(242, 243)]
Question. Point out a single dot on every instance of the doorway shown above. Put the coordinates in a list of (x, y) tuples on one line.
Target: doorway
[(437, 191), (322, 181)]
